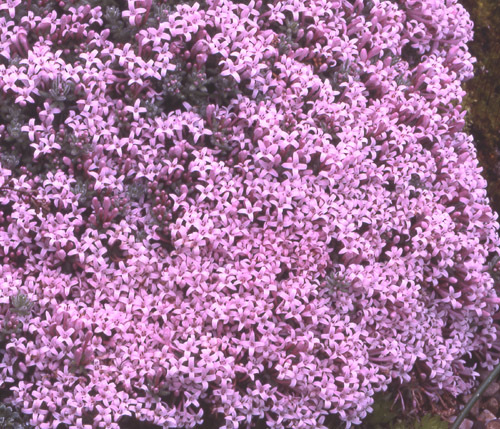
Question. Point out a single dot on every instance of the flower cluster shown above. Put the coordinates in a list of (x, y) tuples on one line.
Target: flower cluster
[(238, 211)]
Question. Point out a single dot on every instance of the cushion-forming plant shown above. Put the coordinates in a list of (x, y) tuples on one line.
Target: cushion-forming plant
[(250, 210)]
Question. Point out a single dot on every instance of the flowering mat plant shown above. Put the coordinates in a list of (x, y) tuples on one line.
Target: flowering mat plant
[(238, 211)]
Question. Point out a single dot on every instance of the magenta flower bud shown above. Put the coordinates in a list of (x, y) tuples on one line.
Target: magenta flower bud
[(363, 55), (106, 204), (42, 26), (209, 111), (61, 254), (87, 164), (86, 9), (93, 220), (374, 52), (199, 47), (301, 53), (95, 203), (65, 20), (258, 133), (22, 41), (67, 161), (319, 33), (309, 36), (364, 40), (105, 33), (201, 59)]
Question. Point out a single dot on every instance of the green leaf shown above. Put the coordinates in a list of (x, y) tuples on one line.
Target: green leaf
[(382, 413), (431, 422)]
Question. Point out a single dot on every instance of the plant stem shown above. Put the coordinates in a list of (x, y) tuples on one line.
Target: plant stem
[(475, 397)]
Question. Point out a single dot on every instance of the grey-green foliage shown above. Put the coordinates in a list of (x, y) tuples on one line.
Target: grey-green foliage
[(287, 36), (61, 92), (119, 28), (11, 419), (21, 304), (14, 117), (199, 86), (337, 282), (342, 75)]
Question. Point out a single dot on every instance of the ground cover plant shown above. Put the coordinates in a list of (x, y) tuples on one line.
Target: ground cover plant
[(242, 212)]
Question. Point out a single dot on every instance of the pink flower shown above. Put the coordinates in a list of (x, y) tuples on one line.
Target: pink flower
[(230, 69), (10, 5), (134, 13), (295, 166), (267, 153), (195, 250), (136, 110), (32, 129)]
